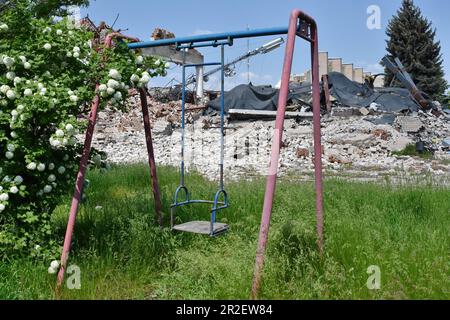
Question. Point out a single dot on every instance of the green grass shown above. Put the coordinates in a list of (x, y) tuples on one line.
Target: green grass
[(410, 150), (123, 255)]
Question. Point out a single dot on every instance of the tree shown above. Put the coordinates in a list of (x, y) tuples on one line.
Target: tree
[(412, 40), (46, 8), (48, 73)]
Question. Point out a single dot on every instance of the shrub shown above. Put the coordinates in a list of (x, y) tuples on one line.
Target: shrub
[(48, 73)]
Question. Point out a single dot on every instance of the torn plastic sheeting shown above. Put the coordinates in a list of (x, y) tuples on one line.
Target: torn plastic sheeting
[(250, 97), (354, 94)]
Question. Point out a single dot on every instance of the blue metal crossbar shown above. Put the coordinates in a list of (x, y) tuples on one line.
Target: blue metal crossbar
[(207, 64), (210, 37), (214, 43)]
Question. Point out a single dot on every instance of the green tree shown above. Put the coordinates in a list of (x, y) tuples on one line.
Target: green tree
[(46, 8), (411, 38), (48, 75)]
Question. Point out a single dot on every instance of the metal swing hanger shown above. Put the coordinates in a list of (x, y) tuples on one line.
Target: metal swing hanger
[(211, 227)]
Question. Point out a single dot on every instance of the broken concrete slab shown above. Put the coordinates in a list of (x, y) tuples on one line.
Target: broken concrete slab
[(400, 143), (162, 127), (364, 111), (345, 112), (384, 119), (446, 142), (409, 124)]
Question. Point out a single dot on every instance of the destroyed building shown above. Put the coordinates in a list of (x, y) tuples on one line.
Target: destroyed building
[(364, 126)]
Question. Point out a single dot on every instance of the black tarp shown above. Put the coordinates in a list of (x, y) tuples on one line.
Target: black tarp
[(354, 94), (252, 97), (347, 92)]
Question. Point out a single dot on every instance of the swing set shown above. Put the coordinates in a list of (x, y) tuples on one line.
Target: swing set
[(300, 25)]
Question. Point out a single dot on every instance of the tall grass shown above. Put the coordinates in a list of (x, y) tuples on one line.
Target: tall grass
[(122, 254)]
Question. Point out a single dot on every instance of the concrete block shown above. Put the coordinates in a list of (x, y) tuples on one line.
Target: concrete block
[(358, 75), (347, 70), (323, 63), (335, 65), (409, 124)]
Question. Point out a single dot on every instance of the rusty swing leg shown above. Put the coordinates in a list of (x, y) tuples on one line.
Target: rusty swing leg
[(307, 29), (84, 163), (151, 156)]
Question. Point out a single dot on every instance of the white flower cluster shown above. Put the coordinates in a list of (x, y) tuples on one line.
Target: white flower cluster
[(7, 61), (72, 96), (76, 52), (113, 88), (10, 148), (159, 62), (51, 180), (11, 187), (64, 137), (3, 27), (54, 267), (140, 81)]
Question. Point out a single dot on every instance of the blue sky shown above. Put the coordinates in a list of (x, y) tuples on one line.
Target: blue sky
[(342, 29)]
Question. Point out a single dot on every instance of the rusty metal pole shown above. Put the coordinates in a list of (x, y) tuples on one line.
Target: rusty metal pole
[(151, 156), (273, 170), (282, 100), (317, 135), (326, 90), (76, 199), (78, 188)]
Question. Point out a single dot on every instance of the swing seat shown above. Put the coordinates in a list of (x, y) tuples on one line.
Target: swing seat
[(202, 227)]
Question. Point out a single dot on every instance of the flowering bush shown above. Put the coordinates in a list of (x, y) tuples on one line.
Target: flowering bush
[(48, 74)]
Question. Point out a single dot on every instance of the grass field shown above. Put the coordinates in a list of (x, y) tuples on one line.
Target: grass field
[(123, 255)]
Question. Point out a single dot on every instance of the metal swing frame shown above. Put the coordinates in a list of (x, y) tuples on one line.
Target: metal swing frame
[(211, 228), (300, 25)]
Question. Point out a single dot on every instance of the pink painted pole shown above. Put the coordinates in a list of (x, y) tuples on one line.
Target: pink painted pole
[(279, 122), (78, 187), (82, 171), (151, 156), (273, 170)]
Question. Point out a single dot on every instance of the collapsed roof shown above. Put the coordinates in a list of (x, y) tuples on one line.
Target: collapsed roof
[(263, 98), (352, 94), (347, 93)]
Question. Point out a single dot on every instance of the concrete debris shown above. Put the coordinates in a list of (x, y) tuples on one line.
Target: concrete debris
[(302, 153), (446, 142), (354, 145), (162, 127), (384, 119), (159, 34), (364, 111), (410, 124)]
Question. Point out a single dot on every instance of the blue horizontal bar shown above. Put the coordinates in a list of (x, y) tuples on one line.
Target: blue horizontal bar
[(179, 204), (210, 37), (208, 44), (221, 208), (207, 64)]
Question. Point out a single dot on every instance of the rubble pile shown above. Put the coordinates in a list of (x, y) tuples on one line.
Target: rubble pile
[(352, 144)]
